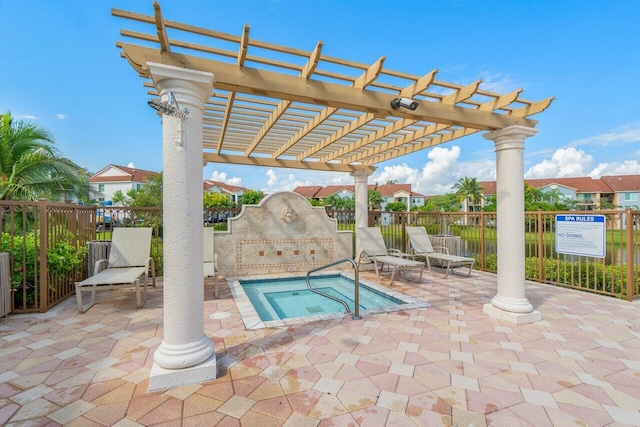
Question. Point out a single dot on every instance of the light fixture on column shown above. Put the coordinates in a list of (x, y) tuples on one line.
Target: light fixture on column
[(170, 107)]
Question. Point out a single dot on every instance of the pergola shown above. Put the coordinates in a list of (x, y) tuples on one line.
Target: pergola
[(255, 103)]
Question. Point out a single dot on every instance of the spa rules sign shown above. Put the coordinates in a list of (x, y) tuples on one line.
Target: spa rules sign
[(580, 235)]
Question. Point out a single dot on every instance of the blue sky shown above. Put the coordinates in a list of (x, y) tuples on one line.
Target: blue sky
[(60, 68)]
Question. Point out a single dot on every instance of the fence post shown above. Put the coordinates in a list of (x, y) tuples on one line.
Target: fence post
[(44, 282), (483, 241), (539, 229), (630, 258), (403, 230)]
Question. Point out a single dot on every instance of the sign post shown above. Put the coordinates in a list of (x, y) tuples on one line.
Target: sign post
[(582, 235)]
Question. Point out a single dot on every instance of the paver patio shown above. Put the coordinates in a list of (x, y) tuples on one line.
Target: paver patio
[(445, 365)]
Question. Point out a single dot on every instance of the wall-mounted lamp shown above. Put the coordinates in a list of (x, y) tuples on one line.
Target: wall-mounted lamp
[(404, 102), (170, 108)]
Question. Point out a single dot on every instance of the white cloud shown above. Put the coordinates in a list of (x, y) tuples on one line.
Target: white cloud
[(61, 116), (628, 167), (401, 173), (565, 162), (286, 180), (623, 135), (29, 117), (272, 180), (439, 173), (223, 177), (494, 81), (131, 165), (482, 170)]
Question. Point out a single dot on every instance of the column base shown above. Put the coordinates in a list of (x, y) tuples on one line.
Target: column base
[(517, 318), (162, 379), (180, 356)]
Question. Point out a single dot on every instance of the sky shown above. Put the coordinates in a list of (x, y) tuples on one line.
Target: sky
[(60, 68)]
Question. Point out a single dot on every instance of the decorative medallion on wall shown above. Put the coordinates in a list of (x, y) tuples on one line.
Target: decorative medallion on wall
[(288, 215)]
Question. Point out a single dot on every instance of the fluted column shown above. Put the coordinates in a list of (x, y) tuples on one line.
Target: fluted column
[(362, 201), (510, 302), (184, 344)]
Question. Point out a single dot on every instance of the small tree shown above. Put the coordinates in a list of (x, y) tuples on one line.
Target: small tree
[(252, 197), (447, 202), (149, 195), (375, 199), (396, 206), (216, 200)]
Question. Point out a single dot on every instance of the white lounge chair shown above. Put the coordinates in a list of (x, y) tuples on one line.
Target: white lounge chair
[(128, 261), (421, 246), (371, 242), (210, 259)]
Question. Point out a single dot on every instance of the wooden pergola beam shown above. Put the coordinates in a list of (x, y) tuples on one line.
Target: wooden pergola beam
[(242, 56), (283, 163), (307, 72), (391, 150), (161, 28), (276, 85)]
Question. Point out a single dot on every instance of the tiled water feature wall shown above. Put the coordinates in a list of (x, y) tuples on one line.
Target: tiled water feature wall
[(284, 233)]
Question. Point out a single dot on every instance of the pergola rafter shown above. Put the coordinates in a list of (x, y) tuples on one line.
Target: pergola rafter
[(277, 106)]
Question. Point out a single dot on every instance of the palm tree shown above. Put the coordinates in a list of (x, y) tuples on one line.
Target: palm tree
[(468, 189), (375, 199), (32, 168)]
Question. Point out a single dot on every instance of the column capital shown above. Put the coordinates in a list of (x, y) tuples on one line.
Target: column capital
[(190, 87), (361, 175), (510, 132)]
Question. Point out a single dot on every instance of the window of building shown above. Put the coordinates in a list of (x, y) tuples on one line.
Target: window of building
[(630, 197), (101, 187)]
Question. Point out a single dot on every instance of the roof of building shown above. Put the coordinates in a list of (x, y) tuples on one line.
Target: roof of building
[(223, 186), (386, 190), (619, 183), (308, 191), (128, 174), (333, 189), (585, 184)]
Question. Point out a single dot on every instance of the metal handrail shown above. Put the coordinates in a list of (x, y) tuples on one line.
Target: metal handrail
[(356, 315)]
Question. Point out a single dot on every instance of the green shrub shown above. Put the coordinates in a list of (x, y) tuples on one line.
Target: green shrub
[(586, 274), (62, 259)]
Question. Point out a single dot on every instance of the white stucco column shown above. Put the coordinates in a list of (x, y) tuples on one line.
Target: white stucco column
[(184, 344), (362, 201), (510, 302)]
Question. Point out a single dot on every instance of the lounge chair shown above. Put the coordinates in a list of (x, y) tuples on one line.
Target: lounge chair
[(210, 259), (128, 261), (374, 250), (421, 246)]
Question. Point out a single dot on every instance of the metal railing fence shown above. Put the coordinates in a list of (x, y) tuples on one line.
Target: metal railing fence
[(47, 245)]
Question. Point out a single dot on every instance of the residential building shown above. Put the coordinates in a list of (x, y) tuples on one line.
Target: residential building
[(234, 192), (587, 194), (626, 190), (113, 178), (389, 192)]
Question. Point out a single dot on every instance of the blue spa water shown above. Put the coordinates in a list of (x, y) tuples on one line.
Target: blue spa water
[(275, 299)]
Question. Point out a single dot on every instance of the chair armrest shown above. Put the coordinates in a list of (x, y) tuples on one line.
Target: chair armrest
[(366, 255), (100, 265), (395, 252), (445, 250)]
